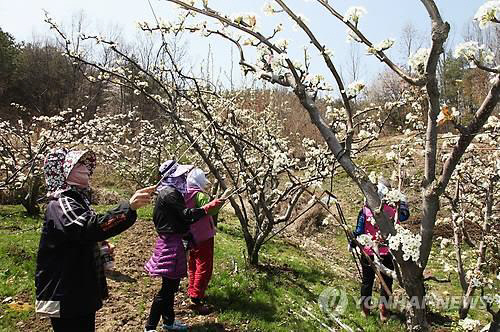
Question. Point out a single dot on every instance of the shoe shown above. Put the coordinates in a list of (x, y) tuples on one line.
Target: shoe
[(200, 309), (365, 311), (384, 313), (146, 330), (175, 326)]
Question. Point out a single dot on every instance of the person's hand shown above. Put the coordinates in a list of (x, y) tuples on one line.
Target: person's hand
[(141, 197), (213, 205)]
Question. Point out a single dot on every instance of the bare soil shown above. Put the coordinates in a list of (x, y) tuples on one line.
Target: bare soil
[(132, 290)]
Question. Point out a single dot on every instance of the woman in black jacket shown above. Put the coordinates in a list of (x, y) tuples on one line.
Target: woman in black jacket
[(70, 282), (168, 261)]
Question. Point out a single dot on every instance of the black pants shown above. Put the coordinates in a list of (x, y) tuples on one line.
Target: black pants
[(369, 277), (74, 324), (163, 304)]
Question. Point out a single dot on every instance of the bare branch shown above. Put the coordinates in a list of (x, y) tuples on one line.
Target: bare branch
[(379, 54), (480, 118)]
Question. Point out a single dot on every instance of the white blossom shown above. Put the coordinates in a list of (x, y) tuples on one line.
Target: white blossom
[(472, 51), (353, 14), (418, 60), (328, 52), (409, 243), (248, 19), (365, 240), (354, 88), (469, 324), (391, 155), (268, 9), (382, 46), (488, 13), (394, 196), (282, 44)]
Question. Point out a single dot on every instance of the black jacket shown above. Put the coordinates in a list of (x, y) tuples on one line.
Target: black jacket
[(69, 275), (170, 214)]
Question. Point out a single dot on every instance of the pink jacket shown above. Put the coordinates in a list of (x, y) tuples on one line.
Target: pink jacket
[(204, 228), (371, 228)]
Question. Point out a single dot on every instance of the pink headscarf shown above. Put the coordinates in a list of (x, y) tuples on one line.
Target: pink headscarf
[(79, 176)]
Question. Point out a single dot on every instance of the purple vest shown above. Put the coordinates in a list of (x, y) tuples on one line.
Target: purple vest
[(169, 257)]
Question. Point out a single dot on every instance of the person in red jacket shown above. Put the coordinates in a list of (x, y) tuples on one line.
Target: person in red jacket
[(201, 252)]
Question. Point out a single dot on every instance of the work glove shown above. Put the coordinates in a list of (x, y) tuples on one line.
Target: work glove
[(214, 205)]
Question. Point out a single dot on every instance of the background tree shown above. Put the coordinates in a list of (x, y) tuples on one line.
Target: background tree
[(274, 65), (9, 52), (475, 218)]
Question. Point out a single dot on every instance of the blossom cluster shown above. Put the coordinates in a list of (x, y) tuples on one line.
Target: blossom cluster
[(355, 88), (394, 196), (409, 243), (488, 13), (418, 60), (472, 52), (353, 14), (381, 46), (23, 144), (469, 324)]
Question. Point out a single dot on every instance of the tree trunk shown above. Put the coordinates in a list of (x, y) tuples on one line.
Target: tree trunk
[(495, 324), (413, 282), (416, 319), (467, 297), (463, 311), (30, 201), (253, 249), (253, 257)]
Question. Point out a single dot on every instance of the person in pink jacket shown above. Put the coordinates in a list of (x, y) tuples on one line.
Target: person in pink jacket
[(365, 224), (201, 253)]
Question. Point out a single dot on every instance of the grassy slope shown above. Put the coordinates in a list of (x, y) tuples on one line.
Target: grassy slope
[(19, 237), (272, 298), (268, 299), (291, 279)]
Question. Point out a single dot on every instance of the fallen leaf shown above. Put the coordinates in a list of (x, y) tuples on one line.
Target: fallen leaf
[(20, 306)]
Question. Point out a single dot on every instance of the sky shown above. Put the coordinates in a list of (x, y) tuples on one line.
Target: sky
[(384, 19)]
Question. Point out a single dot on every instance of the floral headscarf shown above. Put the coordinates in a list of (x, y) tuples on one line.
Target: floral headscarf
[(58, 164)]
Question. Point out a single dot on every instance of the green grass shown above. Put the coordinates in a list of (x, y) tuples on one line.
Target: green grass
[(277, 296), (453, 288), (270, 298), (19, 236), (142, 213), (274, 297)]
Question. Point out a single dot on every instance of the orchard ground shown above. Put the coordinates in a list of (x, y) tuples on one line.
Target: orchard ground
[(281, 295)]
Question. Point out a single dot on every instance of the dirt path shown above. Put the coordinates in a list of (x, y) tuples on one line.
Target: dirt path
[(132, 290)]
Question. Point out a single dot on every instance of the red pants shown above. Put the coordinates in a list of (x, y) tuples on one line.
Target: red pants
[(201, 263)]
